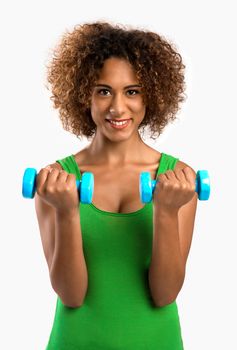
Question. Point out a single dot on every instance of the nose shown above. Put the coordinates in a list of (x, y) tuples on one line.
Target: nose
[(117, 106)]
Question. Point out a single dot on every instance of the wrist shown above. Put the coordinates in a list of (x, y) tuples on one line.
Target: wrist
[(165, 211), (68, 213)]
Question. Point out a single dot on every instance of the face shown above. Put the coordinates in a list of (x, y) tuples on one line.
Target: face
[(117, 95)]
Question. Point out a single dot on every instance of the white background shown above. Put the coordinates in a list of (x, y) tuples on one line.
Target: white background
[(204, 136)]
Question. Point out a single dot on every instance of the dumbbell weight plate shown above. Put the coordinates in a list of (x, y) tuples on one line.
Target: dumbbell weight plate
[(203, 185), (28, 183), (145, 187), (86, 188)]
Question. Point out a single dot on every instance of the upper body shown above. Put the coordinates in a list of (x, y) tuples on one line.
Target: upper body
[(116, 157)]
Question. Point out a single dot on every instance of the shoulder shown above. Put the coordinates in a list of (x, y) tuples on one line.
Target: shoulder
[(82, 157)]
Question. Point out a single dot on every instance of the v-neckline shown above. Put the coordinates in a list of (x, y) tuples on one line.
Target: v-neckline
[(104, 212)]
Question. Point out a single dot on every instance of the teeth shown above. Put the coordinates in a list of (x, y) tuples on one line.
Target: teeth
[(118, 123)]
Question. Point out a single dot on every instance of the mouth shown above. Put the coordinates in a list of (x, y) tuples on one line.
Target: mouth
[(119, 123)]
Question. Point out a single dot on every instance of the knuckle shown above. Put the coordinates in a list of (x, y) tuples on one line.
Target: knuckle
[(57, 187), (183, 186), (49, 189), (190, 171), (186, 168), (48, 168), (176, 186), (42, 172), (72, 176), (67, 188)]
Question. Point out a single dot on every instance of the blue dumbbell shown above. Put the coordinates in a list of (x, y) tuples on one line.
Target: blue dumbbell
[(85, 185), (147, 186)]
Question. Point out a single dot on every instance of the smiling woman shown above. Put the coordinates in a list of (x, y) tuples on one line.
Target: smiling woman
[(79, 57), (116, 265)]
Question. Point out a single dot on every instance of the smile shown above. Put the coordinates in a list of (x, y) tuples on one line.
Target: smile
[(118, 125)]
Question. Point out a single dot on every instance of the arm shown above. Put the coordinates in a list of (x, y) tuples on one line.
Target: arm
[(68, 272), (172, 234), (62, 241)]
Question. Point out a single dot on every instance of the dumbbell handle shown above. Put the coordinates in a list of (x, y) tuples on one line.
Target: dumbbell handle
[(154, 182)]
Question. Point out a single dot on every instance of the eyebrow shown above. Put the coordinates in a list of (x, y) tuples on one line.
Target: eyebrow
[(126, 87)]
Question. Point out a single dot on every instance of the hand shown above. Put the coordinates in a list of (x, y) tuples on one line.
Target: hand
[(174, 188), (58, 188)]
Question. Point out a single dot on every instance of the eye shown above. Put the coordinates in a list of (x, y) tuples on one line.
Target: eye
[(134, 92), (102, 92), (106, 92)]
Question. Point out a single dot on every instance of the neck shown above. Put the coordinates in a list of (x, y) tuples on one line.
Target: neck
[(117, 153)]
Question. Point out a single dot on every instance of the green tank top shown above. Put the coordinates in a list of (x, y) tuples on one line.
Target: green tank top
[(118, 312)]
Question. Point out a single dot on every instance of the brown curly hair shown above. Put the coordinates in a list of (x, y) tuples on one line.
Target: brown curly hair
[(79, 57)]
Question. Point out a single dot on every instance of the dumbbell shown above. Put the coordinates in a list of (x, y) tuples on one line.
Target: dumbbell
[(85, 185), (147, 186)]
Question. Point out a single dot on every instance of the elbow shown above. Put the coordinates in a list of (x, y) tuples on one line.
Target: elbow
[(163, 302), (163, 299), (166, 299), (69, 298), (164, 295), (72, 305), (70, 301)]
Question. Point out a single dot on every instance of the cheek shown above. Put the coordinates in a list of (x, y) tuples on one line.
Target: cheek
[(97, 113), (138, 105), (139, 109), (98, 107)]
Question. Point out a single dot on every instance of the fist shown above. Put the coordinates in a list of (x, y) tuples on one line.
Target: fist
[(175, 188), (57, 188)]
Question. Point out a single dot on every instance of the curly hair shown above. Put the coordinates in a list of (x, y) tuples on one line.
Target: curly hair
[(79, 57)]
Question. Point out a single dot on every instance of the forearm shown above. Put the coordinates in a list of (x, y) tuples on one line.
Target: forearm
[(68, 271), (166, 272)]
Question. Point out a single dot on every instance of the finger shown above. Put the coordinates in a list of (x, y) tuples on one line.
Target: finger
[(52, 176), (71, 178), (162, 177), (49, 168), (170, 175), (42, 176), (62, 176), (190, 175), (179, 174)]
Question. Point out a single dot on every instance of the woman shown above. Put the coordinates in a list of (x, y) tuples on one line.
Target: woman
[(116, 264)]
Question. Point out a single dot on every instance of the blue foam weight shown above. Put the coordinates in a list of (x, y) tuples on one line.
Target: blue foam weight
[(29, 182), (86, 188)]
